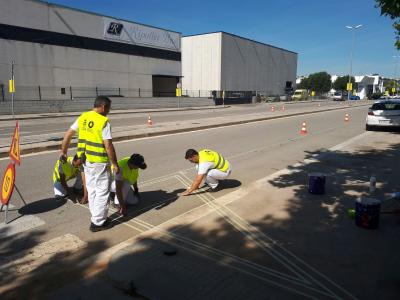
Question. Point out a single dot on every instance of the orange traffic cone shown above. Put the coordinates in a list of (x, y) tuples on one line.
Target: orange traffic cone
[(273, 108), (283, 108), (303, 128), (346, 118), (149, 121)]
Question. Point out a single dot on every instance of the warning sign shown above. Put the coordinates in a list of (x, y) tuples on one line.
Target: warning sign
[(14, 149), (7, 185)]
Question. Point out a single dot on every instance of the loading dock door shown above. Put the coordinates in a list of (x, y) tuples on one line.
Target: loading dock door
[(164, 86)]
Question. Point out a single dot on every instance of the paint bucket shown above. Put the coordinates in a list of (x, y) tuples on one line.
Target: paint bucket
[(367, 212), (316, 183)]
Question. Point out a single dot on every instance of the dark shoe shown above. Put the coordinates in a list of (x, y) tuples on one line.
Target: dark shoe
[(213, 190), (106, 225)]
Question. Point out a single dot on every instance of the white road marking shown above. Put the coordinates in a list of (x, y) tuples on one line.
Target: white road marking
[(19, 225)]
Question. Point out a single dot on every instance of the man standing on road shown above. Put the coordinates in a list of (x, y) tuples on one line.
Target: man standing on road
[(95, 147), (211, 165)]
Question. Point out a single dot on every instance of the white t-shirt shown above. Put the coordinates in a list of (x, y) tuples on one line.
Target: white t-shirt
[(106, 130), (202, 168)]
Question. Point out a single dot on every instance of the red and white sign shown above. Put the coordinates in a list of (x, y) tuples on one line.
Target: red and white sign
[(7, 184)]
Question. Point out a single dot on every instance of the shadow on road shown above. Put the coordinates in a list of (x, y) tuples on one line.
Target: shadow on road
[(299, 246)]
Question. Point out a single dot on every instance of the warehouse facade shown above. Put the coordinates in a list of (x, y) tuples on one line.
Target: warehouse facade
[(60, 48), (223, 61)]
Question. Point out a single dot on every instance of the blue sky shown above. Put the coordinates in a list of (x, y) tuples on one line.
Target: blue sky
[(315, 29)]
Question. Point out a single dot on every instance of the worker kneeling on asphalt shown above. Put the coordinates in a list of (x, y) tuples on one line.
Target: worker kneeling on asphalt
[(65, 171), (127, 177), (211, 165)]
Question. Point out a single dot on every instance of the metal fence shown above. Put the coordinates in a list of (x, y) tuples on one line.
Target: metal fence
[(38, 93)]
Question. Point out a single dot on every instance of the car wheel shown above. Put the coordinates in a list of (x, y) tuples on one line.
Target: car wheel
[(368, 127)]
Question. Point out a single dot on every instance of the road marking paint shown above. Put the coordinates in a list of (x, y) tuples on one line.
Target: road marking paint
[(19, 225), (249, 229)]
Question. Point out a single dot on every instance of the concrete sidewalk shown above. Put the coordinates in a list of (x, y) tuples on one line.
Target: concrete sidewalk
[(268, 240), (52, 141)]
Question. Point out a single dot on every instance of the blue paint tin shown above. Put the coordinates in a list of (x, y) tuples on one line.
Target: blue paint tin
[(367, 213), (316, 183)]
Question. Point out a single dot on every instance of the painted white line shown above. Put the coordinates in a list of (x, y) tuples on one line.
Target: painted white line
[(19, 225)]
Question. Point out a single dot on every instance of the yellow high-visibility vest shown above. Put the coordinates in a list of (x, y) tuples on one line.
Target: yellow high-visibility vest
[(67, 168), (220, 163), (90, 140), (128, 175)]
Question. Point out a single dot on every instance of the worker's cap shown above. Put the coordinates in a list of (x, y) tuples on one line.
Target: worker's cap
[(138, 160)]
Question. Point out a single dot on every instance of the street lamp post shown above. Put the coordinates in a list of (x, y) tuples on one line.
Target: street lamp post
[(396, 57), (353, 28)]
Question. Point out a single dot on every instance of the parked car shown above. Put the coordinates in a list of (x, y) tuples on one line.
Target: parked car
[(383, 113), (354, 97), (300, 95), (339, 96)]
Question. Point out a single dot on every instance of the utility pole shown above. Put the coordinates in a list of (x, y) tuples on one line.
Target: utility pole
[(396, 57), (353, 28), (12, 88)]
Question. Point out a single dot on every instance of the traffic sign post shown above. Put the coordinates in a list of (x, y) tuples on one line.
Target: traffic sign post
[(15, 152), (7, 189)]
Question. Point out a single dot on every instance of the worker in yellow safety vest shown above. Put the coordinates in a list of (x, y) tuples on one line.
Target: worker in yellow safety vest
[(210, 165), (95, 147), (66, 171), (125, 180)]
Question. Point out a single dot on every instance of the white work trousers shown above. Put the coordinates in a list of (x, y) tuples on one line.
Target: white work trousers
[(59, 190), (214, 175), (127, 193), (98, 181)]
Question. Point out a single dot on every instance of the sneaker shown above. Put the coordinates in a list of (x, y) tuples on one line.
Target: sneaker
[(213, 190), (106, 225)]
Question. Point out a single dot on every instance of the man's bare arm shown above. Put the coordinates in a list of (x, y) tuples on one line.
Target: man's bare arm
[(195, 185), (66, 141), (111, 154)]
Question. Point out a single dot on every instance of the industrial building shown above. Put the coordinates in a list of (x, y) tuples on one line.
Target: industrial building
[(222, 61), (63, 50)]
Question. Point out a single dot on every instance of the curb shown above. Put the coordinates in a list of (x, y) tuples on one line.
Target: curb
[(172, 131), (118, 112)]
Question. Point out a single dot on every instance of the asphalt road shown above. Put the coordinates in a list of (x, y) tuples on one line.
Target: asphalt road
[(40, 127), (255, 150)]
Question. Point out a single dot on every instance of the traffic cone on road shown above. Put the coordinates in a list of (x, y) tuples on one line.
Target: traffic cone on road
[(346, 118), (283, 108), (149, 121), (303, 128), (273, 108)]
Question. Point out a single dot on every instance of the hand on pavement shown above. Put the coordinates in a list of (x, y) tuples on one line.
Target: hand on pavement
[(185, 193)]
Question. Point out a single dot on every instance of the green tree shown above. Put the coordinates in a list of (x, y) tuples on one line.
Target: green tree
[(304, 84), (320, 82), (391, 8), (340, 83)]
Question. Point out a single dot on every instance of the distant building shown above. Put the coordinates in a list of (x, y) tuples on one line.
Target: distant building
[(368, 85), (223, 61), (57, 47)]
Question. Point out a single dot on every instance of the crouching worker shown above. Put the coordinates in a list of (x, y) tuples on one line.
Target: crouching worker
[(65, 171), (210, 166), (127, 177)]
